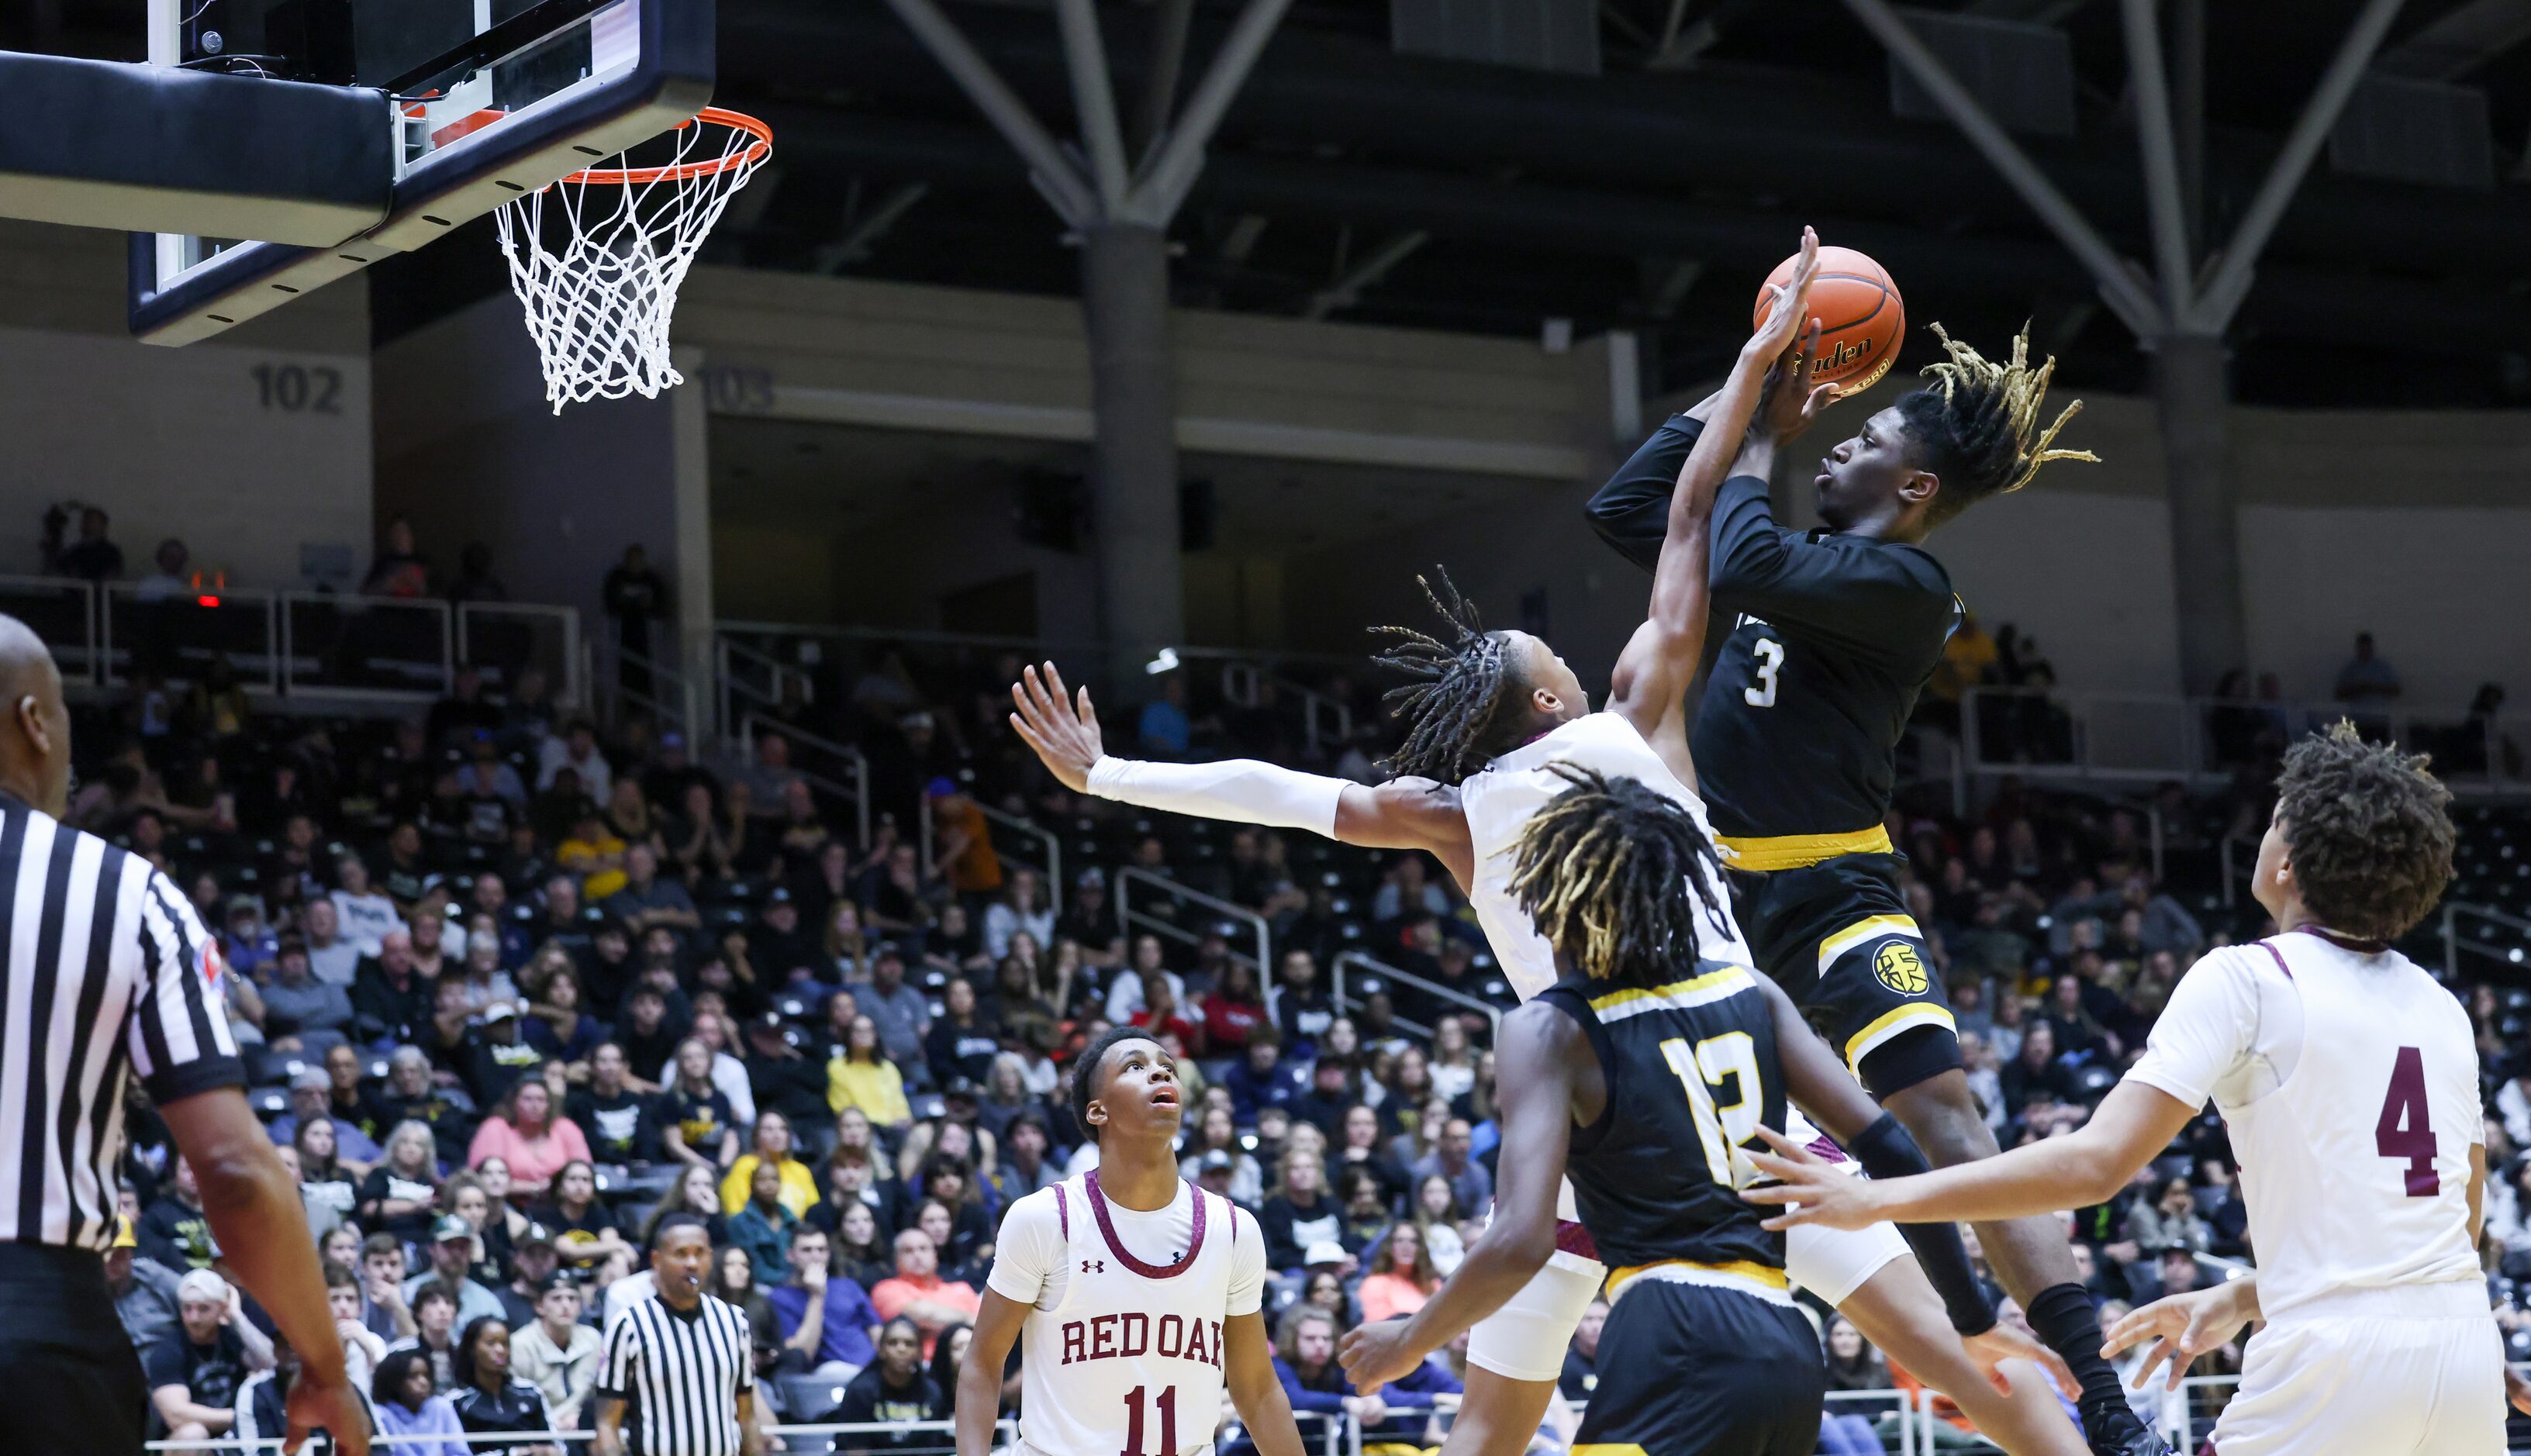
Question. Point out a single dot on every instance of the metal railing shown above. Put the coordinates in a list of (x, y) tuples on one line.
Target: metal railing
[(1451, 995), (838, 769), (2131, 736), (736, 671), (284, 643), (1167, 929), (2464, 927), (1323, 719), (1048, 853), (670, 698)]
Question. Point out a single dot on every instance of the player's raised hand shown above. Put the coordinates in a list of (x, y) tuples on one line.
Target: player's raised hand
[(1788, 312), (1064, 732), (1376, 1352), (1792, 401), (1810, 1187), (2183, 1327)]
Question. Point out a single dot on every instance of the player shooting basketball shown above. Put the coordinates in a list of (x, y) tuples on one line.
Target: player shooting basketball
[(1834, 633)]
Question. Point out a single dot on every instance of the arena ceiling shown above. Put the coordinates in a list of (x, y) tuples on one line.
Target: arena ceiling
[(1353, 182)]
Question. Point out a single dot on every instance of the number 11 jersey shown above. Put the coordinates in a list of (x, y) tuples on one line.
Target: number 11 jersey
[(2348, 1081), (1121, 1352)]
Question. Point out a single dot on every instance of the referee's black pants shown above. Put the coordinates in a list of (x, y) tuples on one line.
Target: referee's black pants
[(74, 1385)]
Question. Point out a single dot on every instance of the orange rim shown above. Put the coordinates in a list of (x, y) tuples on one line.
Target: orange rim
[(754, 153)]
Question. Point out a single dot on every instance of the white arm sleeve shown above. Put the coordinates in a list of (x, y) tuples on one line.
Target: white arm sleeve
[(1027, 1249), (1242, 790), (1247, 1263)]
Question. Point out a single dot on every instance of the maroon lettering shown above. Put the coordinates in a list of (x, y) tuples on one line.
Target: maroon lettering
[(1195, 1349), (1216, 1344), (1133, 1334), (1172, 1336), (1074, 1347), (1102, 1337)]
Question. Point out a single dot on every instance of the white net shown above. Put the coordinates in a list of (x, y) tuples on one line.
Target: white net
[(597, 258)]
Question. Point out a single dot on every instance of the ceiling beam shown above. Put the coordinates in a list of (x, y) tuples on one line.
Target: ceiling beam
[(1347, 289), (2460, 41), (862, 238)]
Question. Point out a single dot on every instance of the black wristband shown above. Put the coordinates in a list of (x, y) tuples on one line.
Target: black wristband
[(1887, 1152)]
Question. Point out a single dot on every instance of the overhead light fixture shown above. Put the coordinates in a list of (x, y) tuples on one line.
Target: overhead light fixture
[(1167, 662)]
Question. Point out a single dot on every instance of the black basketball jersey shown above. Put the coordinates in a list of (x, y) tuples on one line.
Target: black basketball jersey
[(1692, 1071), (1831, 639)]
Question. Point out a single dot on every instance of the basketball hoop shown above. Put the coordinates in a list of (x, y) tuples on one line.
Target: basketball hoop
[(600, 307)]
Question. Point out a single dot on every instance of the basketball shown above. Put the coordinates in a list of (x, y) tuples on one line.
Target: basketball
[(1862, 318)]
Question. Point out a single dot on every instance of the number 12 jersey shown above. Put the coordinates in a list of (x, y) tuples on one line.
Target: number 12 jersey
[(2348, 1082), (1121, 1352)]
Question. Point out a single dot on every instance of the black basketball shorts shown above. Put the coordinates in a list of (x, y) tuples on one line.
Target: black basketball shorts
[(1836, 935), (1691, 1371), (59, 1336)]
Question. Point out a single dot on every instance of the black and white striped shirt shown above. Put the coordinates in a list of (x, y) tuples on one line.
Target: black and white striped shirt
[(679, 1376), (106, 973)]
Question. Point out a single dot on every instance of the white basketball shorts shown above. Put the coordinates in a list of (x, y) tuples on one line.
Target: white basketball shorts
[(2413, 1370)]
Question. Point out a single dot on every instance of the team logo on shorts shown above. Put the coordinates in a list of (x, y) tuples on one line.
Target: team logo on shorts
[(1900, 969)]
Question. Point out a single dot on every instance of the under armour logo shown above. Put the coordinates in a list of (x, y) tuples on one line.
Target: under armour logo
[(1093, 1267)]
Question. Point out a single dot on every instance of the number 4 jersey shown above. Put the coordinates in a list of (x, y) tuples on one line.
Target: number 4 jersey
[(1121, 1354), (2348, 1082)]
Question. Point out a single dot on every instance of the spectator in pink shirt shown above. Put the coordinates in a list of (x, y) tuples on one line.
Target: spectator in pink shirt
[(524, 1132)]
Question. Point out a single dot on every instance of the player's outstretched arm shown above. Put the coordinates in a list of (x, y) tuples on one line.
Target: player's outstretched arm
[(1248, 1372), (1405, 813), (1540, 1061), (979, 1399), (2089, 1165), (1652, 673)]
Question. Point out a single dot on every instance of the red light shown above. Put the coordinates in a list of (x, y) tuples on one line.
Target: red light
[(207, 602)]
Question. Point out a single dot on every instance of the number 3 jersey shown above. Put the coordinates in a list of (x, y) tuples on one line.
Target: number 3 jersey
[(1692, 1069), (1122, 1353), (2348, 1082)]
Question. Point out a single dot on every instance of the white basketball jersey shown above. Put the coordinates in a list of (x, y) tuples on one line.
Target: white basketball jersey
[(1499, 803), (2355, 1152), (1122, 1355)]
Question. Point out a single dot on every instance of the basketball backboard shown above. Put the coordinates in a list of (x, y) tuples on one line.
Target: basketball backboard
[(488, 99)]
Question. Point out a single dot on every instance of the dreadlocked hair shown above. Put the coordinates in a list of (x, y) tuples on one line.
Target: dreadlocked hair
[(1977, 424), (1600, 870), (2369, 832), (1452, 711)]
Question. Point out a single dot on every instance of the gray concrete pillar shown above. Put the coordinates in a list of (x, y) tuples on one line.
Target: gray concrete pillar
[(2193, 396), (1134, 455)]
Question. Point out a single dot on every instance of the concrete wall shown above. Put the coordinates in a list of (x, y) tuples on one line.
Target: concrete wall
[(469, 450), (199, 443)]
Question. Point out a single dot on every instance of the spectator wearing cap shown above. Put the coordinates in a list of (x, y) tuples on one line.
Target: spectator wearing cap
[(557, 1353), (646, 900), (533, 1258), (777, 947), (303, 1016), (901, 1013), (497, 1055), (195, 1369), (830, 1328), (452, 1268), (248, 943), (311, 1095), (145, 1290), (576, 749), (785, 1079), (530, 1133)]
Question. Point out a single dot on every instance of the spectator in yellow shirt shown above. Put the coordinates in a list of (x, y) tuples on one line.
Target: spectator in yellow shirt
[(771, 1144), (861, 1075), (596, 854)]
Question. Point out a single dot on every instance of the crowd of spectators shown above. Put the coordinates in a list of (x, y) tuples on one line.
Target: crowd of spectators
[(513, 984)]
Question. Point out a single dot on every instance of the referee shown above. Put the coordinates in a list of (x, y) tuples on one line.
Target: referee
[(682, 1364), (106, 974)]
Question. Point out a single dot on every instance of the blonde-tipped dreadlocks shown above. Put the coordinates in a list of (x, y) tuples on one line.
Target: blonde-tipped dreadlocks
[(1977, 424), (1602, 870), (1452, 714)]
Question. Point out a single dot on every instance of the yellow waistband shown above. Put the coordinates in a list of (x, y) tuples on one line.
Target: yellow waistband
[(1796, 850), (1755, 1278)]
